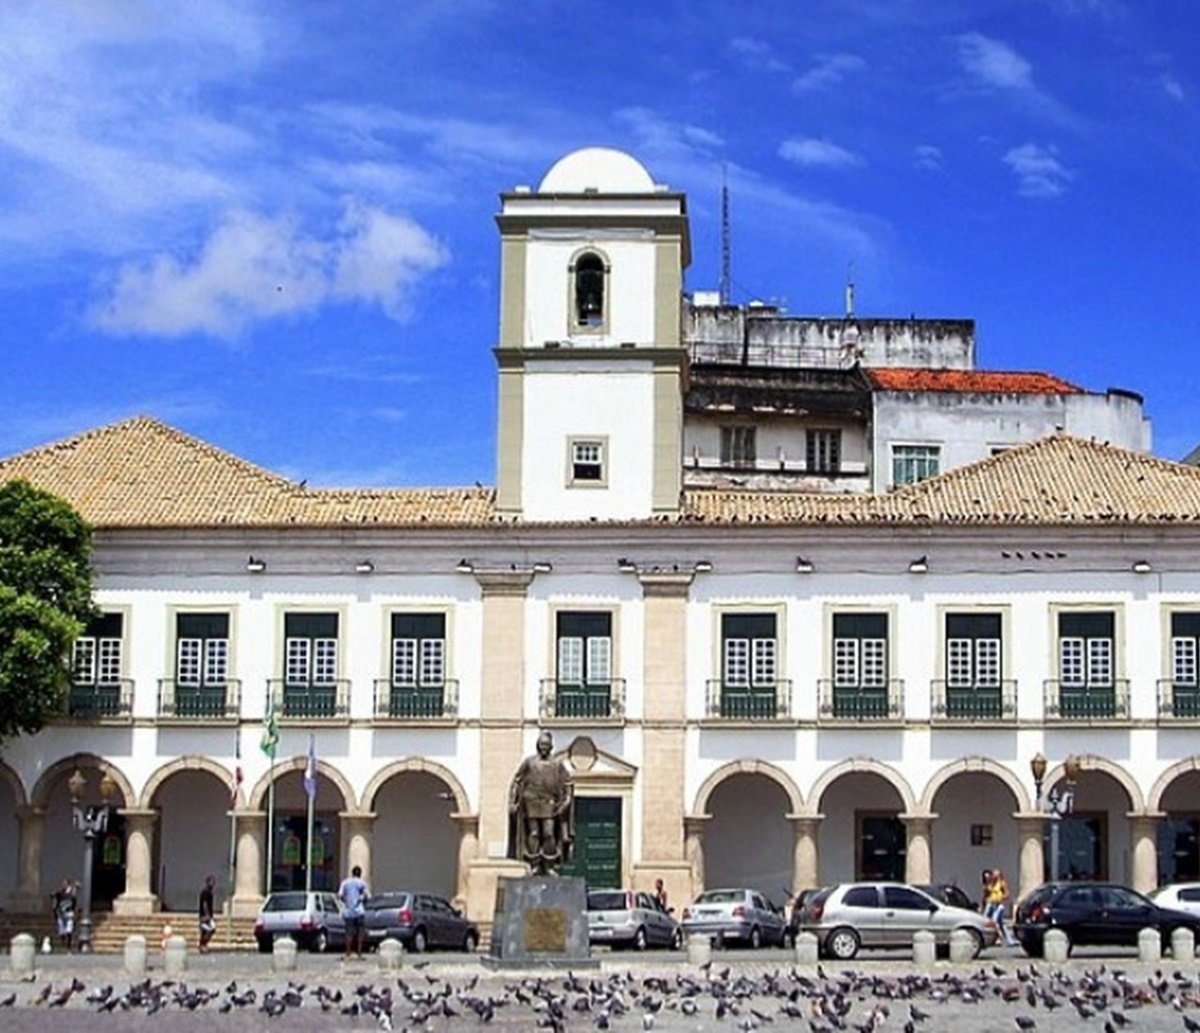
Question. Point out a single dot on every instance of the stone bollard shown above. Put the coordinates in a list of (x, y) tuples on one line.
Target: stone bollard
[(135, 955), (175, 956), (22, 952), (1055, 946), (1149, 945), (1183, 944), (699, 949), (964, 946), (924, 948), (391, 955), (283, 954), (806, 949)]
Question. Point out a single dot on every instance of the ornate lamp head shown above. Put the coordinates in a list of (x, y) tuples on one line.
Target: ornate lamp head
[(108, 788), (1037, 766), (76, 784), (1071, 768)]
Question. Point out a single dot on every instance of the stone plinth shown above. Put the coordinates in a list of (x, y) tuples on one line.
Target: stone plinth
[(540, 921)]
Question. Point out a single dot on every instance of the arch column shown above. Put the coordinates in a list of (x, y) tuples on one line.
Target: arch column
[(806, 860), (694, 827), (1143, 847), (918, 857), (140, 825), (251, 837), (468, 849), (1031, 853), (28, 894), (358, 835)]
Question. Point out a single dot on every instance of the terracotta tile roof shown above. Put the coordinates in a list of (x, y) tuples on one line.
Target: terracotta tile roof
[(966, 381), (144, 474)]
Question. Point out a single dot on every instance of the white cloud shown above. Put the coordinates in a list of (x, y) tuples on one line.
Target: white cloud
[(1039, 172), (993, 63), (757, 54), (813, 153), (828, 72), (926, 156), (1172, 87), (255, 268)]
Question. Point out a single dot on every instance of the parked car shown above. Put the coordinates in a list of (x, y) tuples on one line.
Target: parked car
[(420, 921), (948, 893), (1179, 896), (630, 918), (1094, 914), (736, 916), (313, 919), (852, 915)]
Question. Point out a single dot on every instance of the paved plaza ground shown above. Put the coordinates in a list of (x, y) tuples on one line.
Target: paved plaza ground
[(740, 991)]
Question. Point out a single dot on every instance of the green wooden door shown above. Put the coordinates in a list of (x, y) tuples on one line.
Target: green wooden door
[(597, 853)]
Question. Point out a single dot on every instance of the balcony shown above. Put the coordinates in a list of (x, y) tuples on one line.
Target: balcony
[(308, 701), (757, 703), (213, 701), (1070, 703), (994, 703), (1178, 702), (572, 701), (110, 701), (881, 703), (399, 701)]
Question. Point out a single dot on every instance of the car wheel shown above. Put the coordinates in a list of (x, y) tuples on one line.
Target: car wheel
[(842, 943), (420, 942), (320, 942), (639, 939), (977, 938), (677, 940), (471, 941), (755, 938), (264, 944)]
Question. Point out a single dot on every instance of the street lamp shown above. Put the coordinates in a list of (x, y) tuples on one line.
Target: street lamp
[(92, 821), (1057, 804)]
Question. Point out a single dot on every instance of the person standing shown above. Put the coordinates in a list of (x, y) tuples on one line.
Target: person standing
[(65, 904), (353, 893), (997, 904), (207, 915), (660, 893)]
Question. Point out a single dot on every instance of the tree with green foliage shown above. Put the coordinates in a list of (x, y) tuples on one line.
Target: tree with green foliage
[(45, 602)]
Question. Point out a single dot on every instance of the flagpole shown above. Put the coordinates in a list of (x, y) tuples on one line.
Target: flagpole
[(270, 746), (310, 790), (233, 795)]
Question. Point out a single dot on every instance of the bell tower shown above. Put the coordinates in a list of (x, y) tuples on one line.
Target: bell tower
[(591, 360)]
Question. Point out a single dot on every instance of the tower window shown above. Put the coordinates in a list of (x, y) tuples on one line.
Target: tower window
[(586, 462), (589, 275)]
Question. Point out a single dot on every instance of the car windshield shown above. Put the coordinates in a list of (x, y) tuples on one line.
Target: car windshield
[(384, 901), (286, 902), (721, 897), (609, 900)]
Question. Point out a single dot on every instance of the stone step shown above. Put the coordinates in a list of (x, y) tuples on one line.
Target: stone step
[(110, 931)]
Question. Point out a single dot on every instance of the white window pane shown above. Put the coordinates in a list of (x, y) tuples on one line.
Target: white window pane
[(324, 661), (874, 661), (108, 661), (959, 672), (1070, 654), (83, 662), (987, 662), (187, 667), (845, 661), (433, 655), (737, 661), (404, 661), (216, 660), (1183, 661), (296, 660), (1099, 659), (570, 661), (764, 661), (599, 660)]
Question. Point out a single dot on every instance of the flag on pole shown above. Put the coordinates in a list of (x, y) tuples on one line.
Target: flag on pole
[(310, 769), (270, 736), (236, 785)]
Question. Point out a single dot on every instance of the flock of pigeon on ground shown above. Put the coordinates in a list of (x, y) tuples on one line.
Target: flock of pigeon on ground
[(819, 1003)]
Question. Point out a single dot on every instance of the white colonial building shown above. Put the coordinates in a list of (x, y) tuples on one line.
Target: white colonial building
[(779, 684)]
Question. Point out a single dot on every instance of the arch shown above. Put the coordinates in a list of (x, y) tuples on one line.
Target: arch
[(60, 769), (864, 765), (589, 269), (1091, 762), (462, 804), (1163, 782), (258, 794), (749, 767), (192, 762), (983, 765), (14, 781)]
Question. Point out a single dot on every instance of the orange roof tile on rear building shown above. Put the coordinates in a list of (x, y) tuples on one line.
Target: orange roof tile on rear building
[(970, 381)]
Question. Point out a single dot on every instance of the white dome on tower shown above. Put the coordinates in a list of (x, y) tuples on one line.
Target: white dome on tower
[(600, 169)]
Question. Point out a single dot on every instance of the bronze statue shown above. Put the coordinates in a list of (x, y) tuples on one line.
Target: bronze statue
[(542, 803)]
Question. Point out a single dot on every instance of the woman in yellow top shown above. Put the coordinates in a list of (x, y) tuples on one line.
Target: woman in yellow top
[(997, 896)]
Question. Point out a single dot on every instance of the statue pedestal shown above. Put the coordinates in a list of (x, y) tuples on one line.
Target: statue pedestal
[(540, 922)]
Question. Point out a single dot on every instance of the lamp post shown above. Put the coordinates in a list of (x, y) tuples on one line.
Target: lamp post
[(1056, 804), (92, 821)]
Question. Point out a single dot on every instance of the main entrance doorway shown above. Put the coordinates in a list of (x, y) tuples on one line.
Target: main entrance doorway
[(291, 830), (882, 848), (597, 853)]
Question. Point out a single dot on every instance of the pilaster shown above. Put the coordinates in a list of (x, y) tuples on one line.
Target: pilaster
[(806, 860), (251, 832), (918, 863), (1143, 845), (1031, 854), (139, 850)]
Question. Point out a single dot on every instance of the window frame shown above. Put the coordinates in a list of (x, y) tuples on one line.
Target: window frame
[(823, 458), (931, 451), (600, 441), (738, 447), (100, 643), (575, 325)]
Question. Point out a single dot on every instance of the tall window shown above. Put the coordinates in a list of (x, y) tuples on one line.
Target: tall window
[(96, 668), (860, 665), (1185, 658), (749, 666), (1086, 664), (418, 676), (201, 649), (589, 277), (584, 663), (972, 650), (310, 665), (823, 451), (912, 463), (738, 446)]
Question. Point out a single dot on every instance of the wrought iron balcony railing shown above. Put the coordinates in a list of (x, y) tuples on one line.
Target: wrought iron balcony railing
[(1178, 700), (953, 702), (310, 701), (877, 702), (212, 701), (1068, 702), (100, 701), (725, 702), (401, 701), (604, 701)]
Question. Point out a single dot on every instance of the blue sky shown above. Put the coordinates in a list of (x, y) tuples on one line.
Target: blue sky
[(270, 223)]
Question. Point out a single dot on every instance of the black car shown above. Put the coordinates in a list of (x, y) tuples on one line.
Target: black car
[(420, 921), (948, 893), (1094, 914)]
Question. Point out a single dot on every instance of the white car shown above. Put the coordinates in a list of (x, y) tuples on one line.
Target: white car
[(1179, 896)]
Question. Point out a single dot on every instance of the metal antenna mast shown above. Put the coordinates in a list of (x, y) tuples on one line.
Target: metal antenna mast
[(724, 239)]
